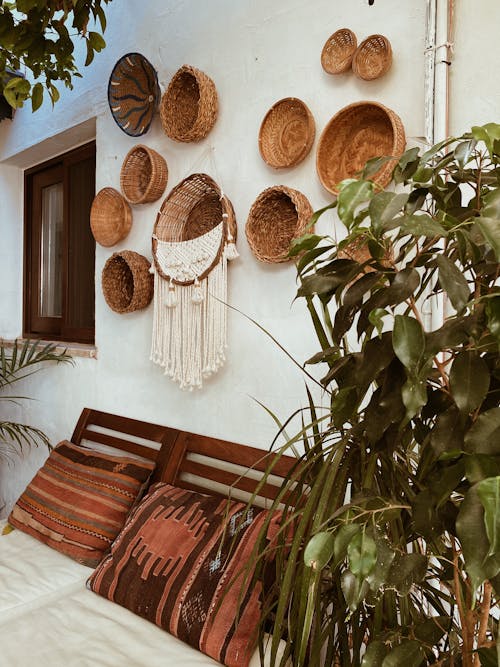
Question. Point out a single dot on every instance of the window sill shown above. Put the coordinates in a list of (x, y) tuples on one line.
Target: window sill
[(84, 350)]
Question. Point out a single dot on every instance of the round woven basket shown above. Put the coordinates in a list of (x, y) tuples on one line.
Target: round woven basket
[(373, 58), (277, 216), (143, 175), (189, 107), (355, 134), (127, 284), (338, 51), (110, 217), (286, 133), (133, 94), (194, 207)]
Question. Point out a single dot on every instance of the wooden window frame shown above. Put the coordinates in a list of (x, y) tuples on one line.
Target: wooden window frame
[(47, 173)]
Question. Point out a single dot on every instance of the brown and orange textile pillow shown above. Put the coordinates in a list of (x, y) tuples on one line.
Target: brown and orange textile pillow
[(78, 501), (180, 563)]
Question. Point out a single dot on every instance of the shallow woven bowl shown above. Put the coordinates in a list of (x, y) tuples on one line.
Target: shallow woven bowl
[(286, 133), (373, 58), (127, 284), (133, 94), (192, 208), (355, 134), (278, 216), (143, 175), (189, 107), (110, 217), (338, 51)]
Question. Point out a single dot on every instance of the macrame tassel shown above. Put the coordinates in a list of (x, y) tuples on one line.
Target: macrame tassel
[(197, 296), (152, 269), (171, 300), (230, 249)]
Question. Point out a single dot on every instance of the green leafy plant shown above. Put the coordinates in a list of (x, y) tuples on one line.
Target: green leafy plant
[(395, 556), (34, 36), (18, 362)]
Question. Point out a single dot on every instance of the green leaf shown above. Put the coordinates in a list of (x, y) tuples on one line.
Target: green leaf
[(36, 96), (385, 557), (351, 197), (408, 341), (447, 436), (406, 570), (488, 133), (484, 435), (481, 466), (343, 404), (354, 591), (409, 653), (489, 494), (97, 41), (383, 207), (303, 243), (362, 554), (453, 282), (469, 381), (414, 395), (342, 540), (376, 317), (432, 630), (490, 228), (375, 654), (489, 657), (464, 150), (319, 550), (493, 315), (422, 225)]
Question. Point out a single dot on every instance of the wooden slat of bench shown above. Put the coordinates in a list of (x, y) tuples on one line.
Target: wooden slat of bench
[(135, 427), (120, 443)]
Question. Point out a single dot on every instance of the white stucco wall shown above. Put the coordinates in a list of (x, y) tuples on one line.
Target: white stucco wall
[(257, 52)]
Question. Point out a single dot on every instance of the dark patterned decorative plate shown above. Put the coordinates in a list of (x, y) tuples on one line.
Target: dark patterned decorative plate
[(133, 94)]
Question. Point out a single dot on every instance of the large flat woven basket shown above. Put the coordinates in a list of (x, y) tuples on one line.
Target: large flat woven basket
[(355, 134)]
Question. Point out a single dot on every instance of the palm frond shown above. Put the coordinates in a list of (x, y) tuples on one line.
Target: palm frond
[(21, 436), (26, 358)]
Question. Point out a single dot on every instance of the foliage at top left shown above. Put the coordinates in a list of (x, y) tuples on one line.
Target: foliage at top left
[(39, 36)]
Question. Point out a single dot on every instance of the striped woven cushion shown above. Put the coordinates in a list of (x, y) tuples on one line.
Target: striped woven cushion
[(78, 501), (179, 564)]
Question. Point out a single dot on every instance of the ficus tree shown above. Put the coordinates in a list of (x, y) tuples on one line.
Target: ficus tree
[(395, 552), (37, 37)]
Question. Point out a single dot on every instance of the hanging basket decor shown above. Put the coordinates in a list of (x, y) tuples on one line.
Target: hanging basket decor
[(133, 94), (189, 107), (110, 217), (277, 217), (127, 283), (143, 176), (338, 51), (373, 58), (286, 134), (355, 134), (193, 239)]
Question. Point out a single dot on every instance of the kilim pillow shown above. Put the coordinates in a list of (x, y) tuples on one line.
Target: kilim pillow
[(78, 501), (180, 563)]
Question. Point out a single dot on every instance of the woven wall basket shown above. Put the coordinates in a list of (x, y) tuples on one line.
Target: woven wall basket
[(286, 134), (355, 134), (127, 284), (338, 51), (373, 58), (133, 94), (143, 175), (189, 107), (110, 217), (277, 216), (193, 208)]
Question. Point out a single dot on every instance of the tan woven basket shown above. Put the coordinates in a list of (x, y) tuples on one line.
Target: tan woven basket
[(338, 51), (127, 284), (278, 215), (355, 134), (373, 58), (194, 207), (143, 175), (110, 217), (189, 107), (286, 133)]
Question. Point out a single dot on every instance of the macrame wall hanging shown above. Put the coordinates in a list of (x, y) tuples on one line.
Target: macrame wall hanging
[(193, 239)]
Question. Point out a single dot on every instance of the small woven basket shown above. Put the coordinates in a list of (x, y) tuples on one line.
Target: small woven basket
[(286, 133), (143, 175), (189, 107), (373, 58), (194, 207), (110, 217), (355, 134), (127, 284), (278, 216), (338, 51)]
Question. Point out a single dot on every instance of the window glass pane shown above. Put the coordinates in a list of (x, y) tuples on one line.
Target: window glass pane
[(50, 304)]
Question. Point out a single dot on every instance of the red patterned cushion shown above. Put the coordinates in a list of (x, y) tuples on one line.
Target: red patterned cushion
[(179, 564), (78, 501)]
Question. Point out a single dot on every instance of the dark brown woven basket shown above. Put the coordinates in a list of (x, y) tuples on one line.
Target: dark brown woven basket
[(373, 58), (110, 217), (127, 284), (287, 133), (143, 176), (277, 217), (338, 51), (194, 207), (189, 107), (355, 134)]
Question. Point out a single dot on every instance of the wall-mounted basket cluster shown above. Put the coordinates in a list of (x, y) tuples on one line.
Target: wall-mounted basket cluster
[(127, 284), (370, 60)]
